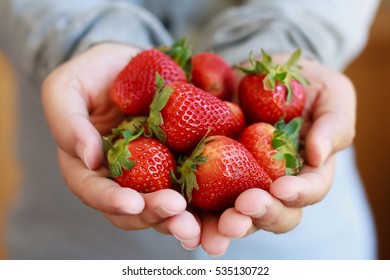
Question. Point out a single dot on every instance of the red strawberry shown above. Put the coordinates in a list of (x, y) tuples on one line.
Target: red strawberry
[(217, 172), (211, 73), (181, 114), (269, 92), (275, 148), (238, 121), (141, 163), (134, 87)]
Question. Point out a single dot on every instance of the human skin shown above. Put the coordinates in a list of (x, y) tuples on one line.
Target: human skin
[(79, 110)]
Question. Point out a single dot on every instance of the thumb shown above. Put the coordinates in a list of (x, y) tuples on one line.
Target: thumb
[(66, 110), (334, 119)]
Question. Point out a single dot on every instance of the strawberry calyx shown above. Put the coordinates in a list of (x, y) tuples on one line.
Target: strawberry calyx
[(286, 141), (275, 72), (133, 124), (181, 52), (187, 166), (118, 154), (155, 119)]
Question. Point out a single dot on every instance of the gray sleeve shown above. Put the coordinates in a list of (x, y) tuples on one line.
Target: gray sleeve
[(332, 31), (41, 34)]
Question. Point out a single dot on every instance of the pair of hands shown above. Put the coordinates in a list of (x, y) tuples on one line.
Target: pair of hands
[(79, 111)]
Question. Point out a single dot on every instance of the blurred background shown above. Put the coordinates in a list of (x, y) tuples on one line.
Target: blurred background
[(369, 72)]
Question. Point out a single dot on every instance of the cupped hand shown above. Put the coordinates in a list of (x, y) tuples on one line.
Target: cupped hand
[(79, 110), (330, 116)]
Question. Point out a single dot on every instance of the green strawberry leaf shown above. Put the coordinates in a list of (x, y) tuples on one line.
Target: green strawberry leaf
[(188, 165), (247, 71), (294, 126), (181, 53), (134, 124), (293, 164), (269, 81), (274, 72), (160, 99), (279, 156), (286, 142), (107, 142), (267, 60), (291, 161), (293, 59), (281, 76), (155, 120), (289, 92), (297, 76), (257, 66), (277, 143)]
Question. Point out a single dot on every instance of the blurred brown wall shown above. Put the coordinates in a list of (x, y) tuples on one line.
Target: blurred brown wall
[(9, 169), (371, 75)]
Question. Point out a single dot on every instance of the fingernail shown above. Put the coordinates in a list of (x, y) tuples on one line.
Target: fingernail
[(188, 249), (81, 151), (131, 209), (130, 204), (258, 213), (215, 256), (164, 212), (182, 240), (288, 198)]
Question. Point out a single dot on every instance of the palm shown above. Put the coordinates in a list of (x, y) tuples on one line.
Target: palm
[(329, 115), (95, 74), (79, 110)]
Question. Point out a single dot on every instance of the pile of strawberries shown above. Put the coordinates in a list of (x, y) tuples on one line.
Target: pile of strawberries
[(183, 132)]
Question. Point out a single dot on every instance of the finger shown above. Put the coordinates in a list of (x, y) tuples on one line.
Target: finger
[(128, 222), (309, 187), (97, 191), (334, 118), (212, 241), (161, 205), (234, 224), (267, 212), (67, 113), (185, 227)]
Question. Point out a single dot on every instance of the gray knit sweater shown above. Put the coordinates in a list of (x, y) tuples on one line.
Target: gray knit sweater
[(49, 222), (43, 33)]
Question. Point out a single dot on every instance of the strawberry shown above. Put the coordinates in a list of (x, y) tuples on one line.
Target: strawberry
[(181, 114), (238, 122), (269, 91), (275, 148), (213, 74), (217, 172), (141, 163), (134, 87)]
